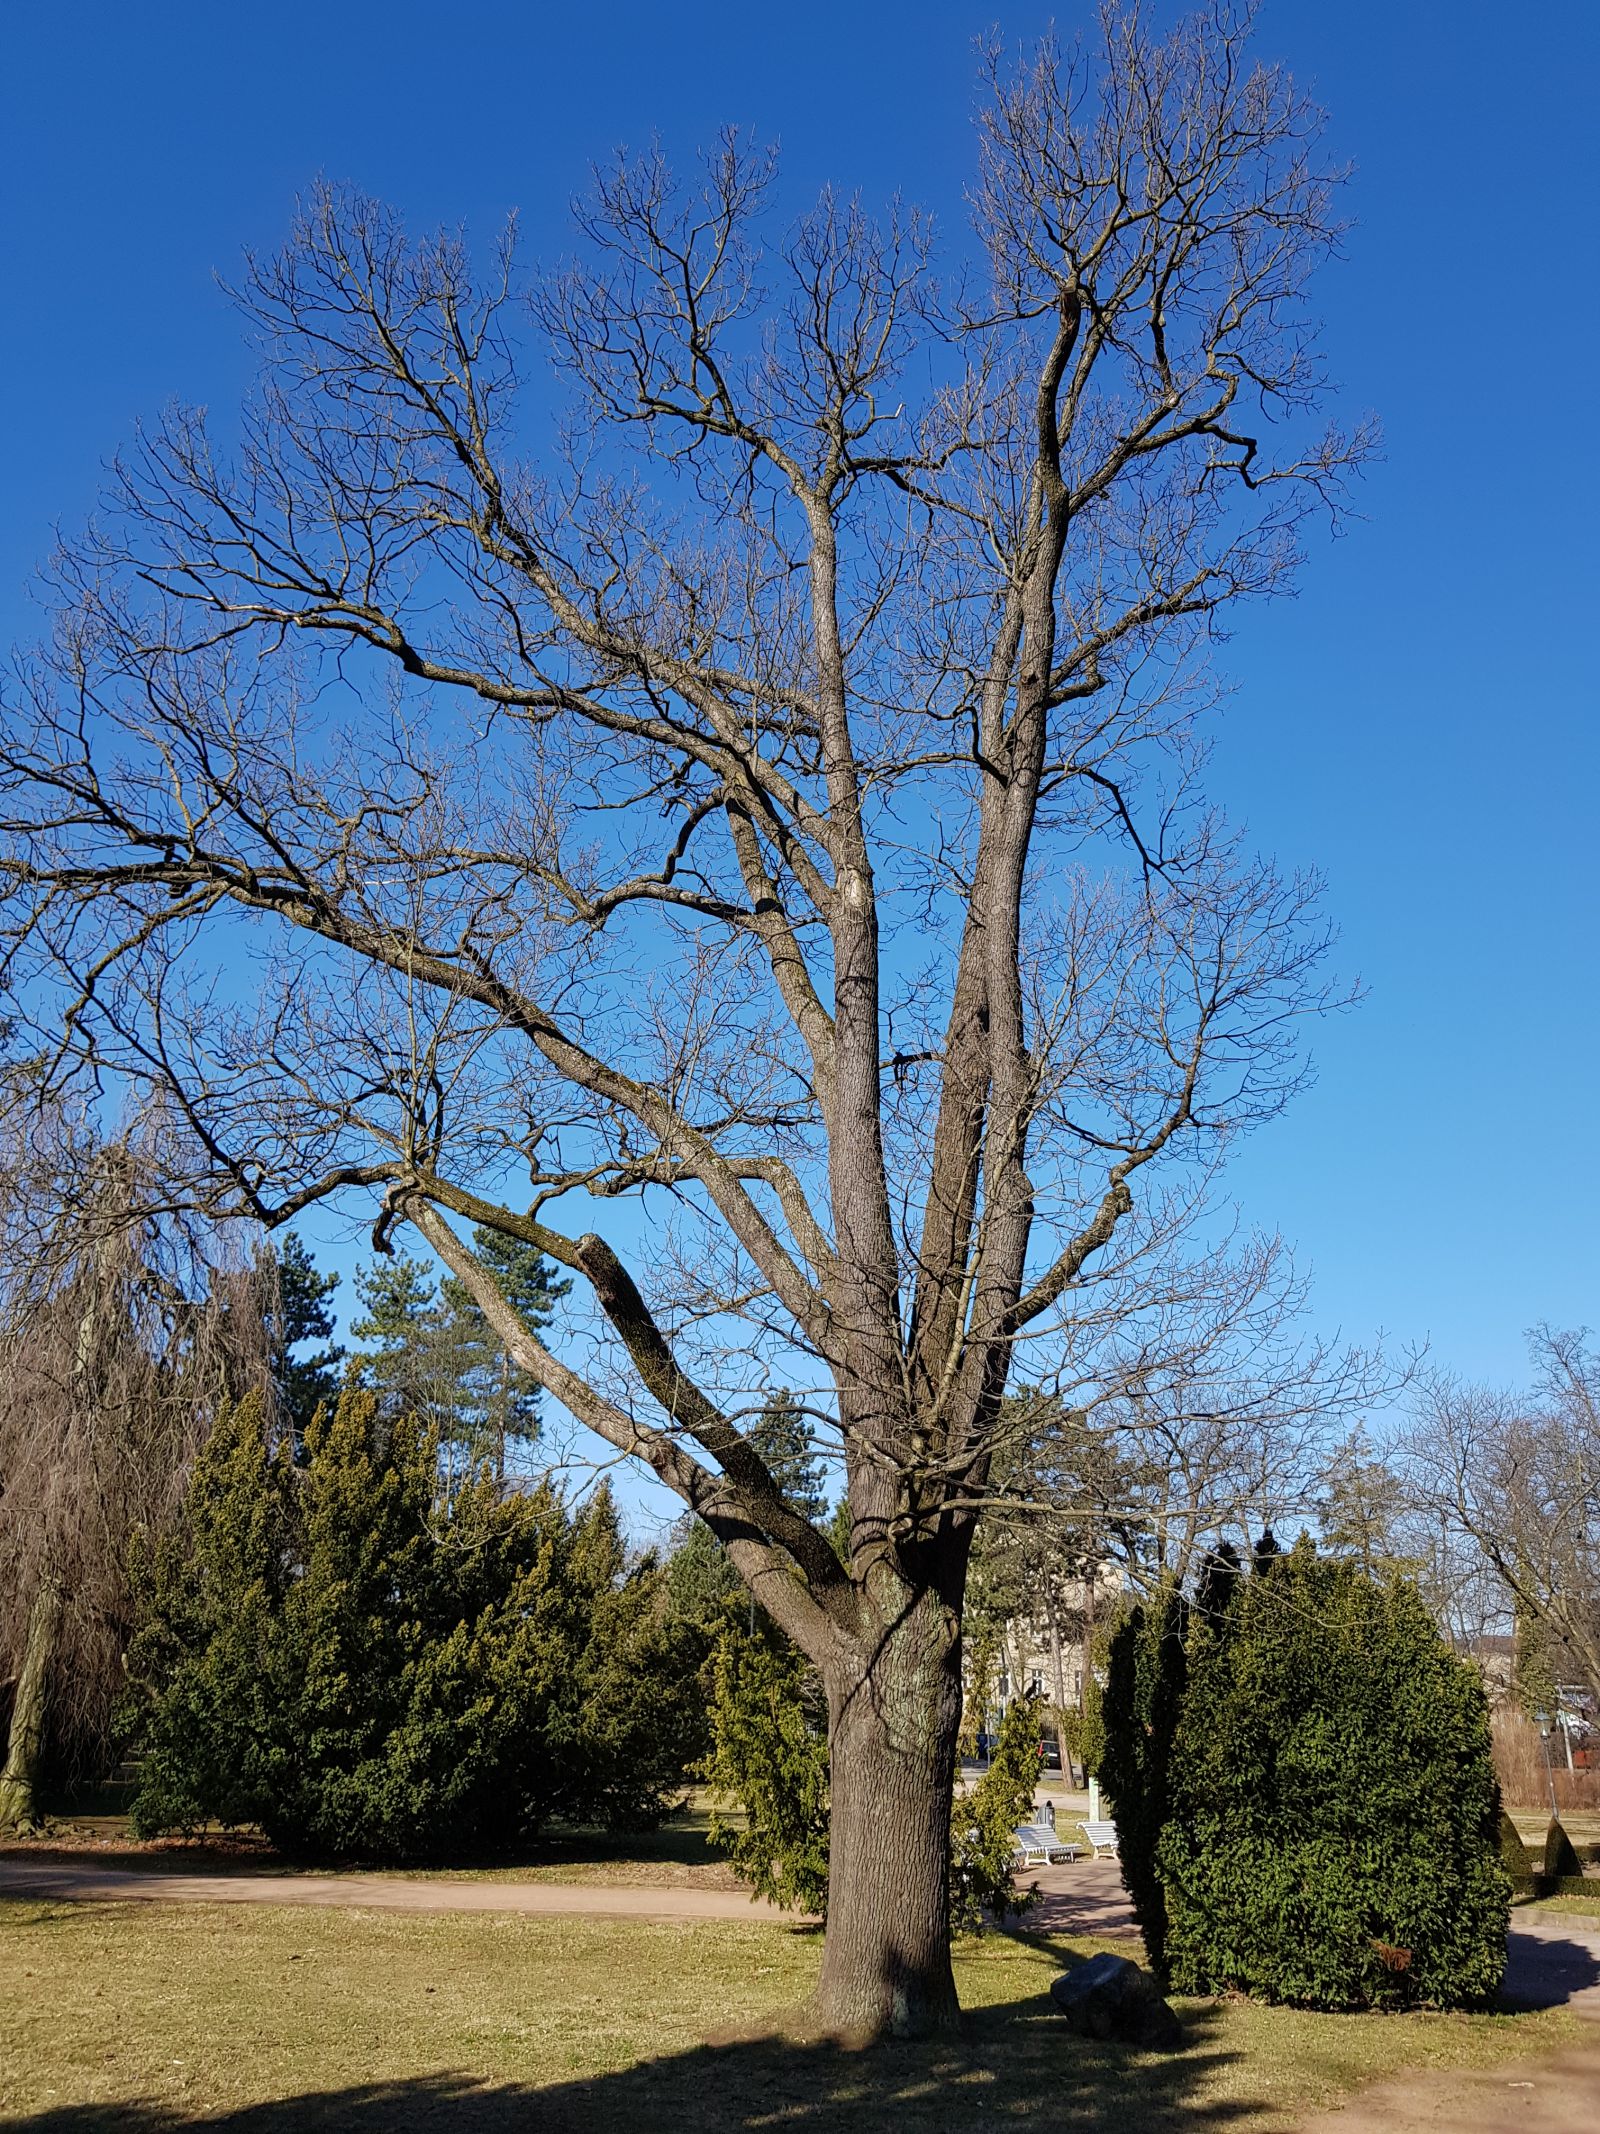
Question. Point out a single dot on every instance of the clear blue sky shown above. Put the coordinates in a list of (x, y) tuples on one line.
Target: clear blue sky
[(1420, 723)]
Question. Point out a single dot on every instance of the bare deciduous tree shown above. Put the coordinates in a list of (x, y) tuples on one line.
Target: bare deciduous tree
[(781, 812), (1514, 1481)]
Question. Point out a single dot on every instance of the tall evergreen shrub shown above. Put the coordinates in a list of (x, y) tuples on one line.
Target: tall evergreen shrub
[(769, 1760), (1325, 1811), (365, 1669), (1139, 1713)]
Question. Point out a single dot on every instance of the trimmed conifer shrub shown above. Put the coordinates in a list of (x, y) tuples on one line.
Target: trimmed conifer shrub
[(364, 1667), (769, 1762), (1515, 1857), (1560, 1855), (1319, 1824)]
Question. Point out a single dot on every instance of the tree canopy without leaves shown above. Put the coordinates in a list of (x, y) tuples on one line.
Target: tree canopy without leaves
[(119, 1333), (1514, 1479), (756, 778)]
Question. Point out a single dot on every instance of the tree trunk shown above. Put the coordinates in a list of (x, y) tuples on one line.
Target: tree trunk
[(894, 1718), (1060, 1672), (19, 1782)]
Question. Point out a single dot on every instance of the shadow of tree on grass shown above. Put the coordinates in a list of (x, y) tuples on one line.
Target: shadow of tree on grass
[(1015, 2063)]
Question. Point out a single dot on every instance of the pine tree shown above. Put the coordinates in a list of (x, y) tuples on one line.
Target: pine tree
[(786, 1442), (701, 1580), (501, 1400), (431, 1348), (303, 1383), (1361, 1510)]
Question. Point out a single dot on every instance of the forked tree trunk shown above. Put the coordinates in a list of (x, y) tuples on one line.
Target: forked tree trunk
[(19, 1805), (893, 1727)]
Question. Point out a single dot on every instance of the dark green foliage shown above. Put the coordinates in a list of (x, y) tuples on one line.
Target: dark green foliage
[(502, 1401), (982, 1824), (206, 1667), (841, 1530), (701, 1580), (1534, 1666), (1139, 1712), (431, 1351), (1267, 1551), (1362, 1513), (1324, 1815), (365, 1671), (1219, 1580), (784, 1439), (769, 1756), (1560, 1857), (304, 1383), (1515, 1857)]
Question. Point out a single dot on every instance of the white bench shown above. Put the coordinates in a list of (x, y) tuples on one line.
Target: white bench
[(1038, 1846), (1102, 1838)]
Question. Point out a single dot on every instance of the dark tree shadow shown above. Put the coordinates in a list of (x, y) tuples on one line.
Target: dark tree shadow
[(680, 1840), (1545, 1971), (1016, 2063)]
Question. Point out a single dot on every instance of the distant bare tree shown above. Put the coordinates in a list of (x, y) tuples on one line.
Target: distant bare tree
[(1513, 1479), (116, 1340), (771, 798)]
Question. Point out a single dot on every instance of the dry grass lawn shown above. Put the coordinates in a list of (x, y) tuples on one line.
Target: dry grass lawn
[(259, 2020)]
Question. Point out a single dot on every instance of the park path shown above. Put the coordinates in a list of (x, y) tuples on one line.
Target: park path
[(1086, 1898), (80, 1881)]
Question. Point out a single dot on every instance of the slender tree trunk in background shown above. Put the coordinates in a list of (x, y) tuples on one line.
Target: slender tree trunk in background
[(893, 1725), (1059, 1668), (1088, 1642), (19, 1783)]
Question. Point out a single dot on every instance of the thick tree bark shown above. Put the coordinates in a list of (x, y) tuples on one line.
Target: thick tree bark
[(19, 1783), (893, 1721)]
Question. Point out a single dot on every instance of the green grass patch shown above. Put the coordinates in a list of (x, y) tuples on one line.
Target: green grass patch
[(1582, 1905), (261, 2019)]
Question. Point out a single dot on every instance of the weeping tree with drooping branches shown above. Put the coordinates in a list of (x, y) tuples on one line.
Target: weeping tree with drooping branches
[(121, 1328), (755, 779)]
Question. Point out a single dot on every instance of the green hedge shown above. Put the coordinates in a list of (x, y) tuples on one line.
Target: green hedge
[(1304, 1794)]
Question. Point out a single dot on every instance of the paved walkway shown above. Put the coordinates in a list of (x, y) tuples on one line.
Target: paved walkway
[(1085, 1898)]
